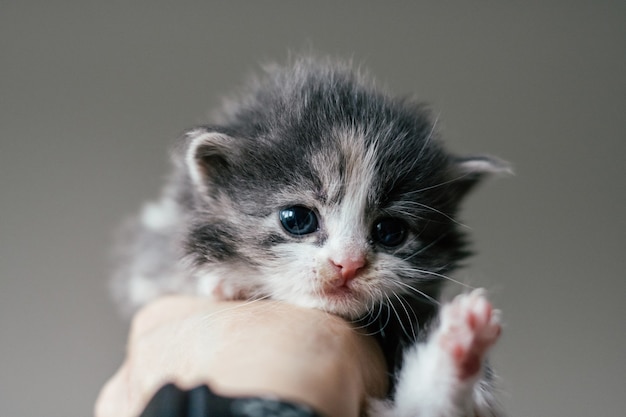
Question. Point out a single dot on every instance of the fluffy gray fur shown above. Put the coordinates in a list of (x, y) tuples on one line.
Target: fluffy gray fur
[(316, 134)]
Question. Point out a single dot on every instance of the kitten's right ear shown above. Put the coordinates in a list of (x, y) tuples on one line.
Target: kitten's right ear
[(467, 172), (208, 153)]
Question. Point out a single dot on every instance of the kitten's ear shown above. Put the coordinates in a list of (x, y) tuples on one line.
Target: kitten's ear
[(208, 153), (467, 172)]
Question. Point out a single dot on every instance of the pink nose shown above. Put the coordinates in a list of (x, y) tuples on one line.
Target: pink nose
[(348, 267)]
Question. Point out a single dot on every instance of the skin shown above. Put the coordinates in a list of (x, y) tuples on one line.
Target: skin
[(240, 349)]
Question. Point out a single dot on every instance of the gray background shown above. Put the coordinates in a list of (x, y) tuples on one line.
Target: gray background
[(92, 94)]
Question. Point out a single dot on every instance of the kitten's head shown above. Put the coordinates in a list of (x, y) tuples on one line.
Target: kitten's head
[(317, 189)]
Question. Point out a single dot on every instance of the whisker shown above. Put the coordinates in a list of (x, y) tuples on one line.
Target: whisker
[(425, 248), (419, 292), (235, 307), (395, 312), (426, 206), (381, 329), (372, 318), (413, 335), (410, 270), (441, 184), (395, 211), (438, 275)]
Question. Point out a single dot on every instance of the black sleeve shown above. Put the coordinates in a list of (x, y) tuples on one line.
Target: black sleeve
[(171, 401)]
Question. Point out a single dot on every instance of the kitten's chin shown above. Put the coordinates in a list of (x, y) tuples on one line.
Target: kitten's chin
[(341, 302)]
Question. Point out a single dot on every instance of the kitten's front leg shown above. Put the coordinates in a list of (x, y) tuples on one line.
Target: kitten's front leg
[(442, 377)]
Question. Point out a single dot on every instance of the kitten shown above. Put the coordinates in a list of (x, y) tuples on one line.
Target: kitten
[(314, 187)]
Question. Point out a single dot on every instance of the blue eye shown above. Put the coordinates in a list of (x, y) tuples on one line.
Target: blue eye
[(389, 232), (298, 220)]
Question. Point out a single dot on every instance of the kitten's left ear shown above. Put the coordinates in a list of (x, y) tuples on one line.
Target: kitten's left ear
[(467, 172)]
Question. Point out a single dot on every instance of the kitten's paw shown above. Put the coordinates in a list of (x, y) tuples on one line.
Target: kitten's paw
[(469, 327)]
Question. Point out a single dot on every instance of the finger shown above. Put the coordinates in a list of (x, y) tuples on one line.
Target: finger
[(113, 399), (169, 309)]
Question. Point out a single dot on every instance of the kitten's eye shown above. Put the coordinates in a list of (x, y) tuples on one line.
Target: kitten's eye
[(298, 220), (389, 232)]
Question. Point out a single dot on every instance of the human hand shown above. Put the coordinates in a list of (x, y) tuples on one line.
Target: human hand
[(246, 349)]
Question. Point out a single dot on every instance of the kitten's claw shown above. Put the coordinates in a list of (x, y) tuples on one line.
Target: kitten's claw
[(469, 327)]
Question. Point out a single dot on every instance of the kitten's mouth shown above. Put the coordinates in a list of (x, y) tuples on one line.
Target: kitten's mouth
[(342, 300), (341, 292)]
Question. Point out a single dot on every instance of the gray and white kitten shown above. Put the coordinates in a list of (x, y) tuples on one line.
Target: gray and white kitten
[(315, 188)]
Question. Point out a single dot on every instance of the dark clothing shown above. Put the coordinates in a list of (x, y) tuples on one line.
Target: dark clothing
[(170, 401)]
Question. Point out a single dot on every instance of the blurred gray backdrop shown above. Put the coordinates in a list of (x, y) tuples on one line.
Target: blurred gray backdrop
[(92, 95)]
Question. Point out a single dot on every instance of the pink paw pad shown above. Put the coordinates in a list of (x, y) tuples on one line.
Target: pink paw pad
[(469, 327)]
